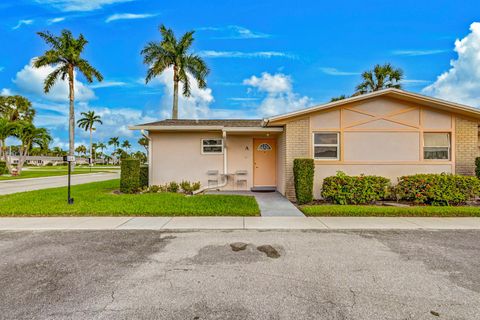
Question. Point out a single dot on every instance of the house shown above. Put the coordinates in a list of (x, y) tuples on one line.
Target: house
[(388, 133)]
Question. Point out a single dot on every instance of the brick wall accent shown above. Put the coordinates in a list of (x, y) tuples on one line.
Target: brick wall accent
[(466, 146), (297, 136)]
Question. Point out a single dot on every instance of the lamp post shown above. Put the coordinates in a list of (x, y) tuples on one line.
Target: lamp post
[(69, 159)]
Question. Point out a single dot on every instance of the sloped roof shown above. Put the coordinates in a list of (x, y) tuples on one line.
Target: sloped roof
[(391, 92)]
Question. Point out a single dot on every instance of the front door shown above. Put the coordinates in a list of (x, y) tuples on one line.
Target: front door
[(264, 162)]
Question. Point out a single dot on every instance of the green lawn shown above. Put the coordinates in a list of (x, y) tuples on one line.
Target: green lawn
[(37, 172), (97, 199), (385, 211)]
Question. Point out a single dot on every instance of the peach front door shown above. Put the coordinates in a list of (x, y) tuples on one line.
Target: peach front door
[(264, 162)]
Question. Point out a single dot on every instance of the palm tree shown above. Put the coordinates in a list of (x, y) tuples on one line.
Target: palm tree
[(81, 149), (88, 122), (102, 146), (16, 108), (171, 52), (29, 135), (115, 142), (126, 144), (58, 152), (7, 129), (338, 98), (381, 77), (143, 141), (65, 55)]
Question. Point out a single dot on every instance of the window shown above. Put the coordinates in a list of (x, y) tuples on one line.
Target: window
[(326, 145), (436, 146), (264, 147), (210, 146)]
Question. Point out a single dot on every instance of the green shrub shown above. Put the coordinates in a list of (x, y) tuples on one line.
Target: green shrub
[(130, 176), (49, 164), (3, 167), (437, 189), (196, 186), (173, 187), (344, 189), (186, 187), (303, 172), (477, 167), (143, 176), (154, 189)]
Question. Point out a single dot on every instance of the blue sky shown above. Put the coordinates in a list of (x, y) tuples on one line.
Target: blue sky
[(266, 57)]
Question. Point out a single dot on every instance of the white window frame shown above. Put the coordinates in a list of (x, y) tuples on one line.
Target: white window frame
[(449, 146), (212, 145), (326, 145)]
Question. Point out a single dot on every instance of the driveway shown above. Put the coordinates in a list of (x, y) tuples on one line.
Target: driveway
[(196, 275), (21, 185)]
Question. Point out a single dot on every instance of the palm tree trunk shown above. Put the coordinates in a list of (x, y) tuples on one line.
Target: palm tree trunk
[(175, 93), (91, 154)]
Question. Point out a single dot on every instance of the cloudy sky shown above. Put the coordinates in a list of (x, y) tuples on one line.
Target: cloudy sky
[(266, 57)]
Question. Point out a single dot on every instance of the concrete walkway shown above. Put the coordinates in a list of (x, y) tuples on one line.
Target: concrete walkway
[(271, 204), (237, 223), (21, 185)]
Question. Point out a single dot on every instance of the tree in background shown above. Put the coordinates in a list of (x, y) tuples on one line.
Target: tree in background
[(115, 142), (126, 145), (88, 123), (65, 56), (341, 97), (171, 52), (381, 77), (143, 141), (7, 129), (81, 150), (29, 136), (16, 108)]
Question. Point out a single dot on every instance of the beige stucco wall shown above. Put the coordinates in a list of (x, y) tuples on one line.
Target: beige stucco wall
[(177, 156)]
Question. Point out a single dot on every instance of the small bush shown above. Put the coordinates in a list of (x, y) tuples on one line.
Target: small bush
[(154, 189), (344, 189), (49, 164), (130, 176), (189, 187), (437, 189), (143, 176), (303, 171), (196, 186), (173, 187), (3, 167)]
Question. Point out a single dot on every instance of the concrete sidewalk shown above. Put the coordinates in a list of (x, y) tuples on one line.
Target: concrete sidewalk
[(237, 223)]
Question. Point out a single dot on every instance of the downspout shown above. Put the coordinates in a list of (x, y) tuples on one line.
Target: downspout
[(149, 158), (225, 168)]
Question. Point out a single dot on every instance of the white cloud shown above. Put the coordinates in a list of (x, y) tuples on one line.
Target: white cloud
[(240, 54), (55, 20), (23, 23), (30, 80), (336, 72), (108, 84), (414, 53), (462, 82), (128, 16), (6, 92), (79, 5), (235, 32), (280, 97)]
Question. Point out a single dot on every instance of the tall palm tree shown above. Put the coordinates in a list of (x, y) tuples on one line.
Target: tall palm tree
[(143, 141), (29, 135), (126, 144), (171, 52), (381, 77), (115, 142), (88, 123), (65, 55), (102, 146), (81, 149), (16, 108)]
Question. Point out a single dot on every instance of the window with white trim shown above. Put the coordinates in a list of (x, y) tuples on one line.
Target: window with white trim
[(212, 146), (436, 146), (326, 145)]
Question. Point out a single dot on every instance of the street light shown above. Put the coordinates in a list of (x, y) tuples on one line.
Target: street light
[(69, 159)]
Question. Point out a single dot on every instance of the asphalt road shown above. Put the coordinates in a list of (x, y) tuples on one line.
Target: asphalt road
[(196, 275), (21, 185)]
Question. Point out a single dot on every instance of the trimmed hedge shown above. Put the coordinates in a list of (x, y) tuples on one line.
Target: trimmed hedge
[(477, 167), (303, 172), (437, 189), (3, 167), (344, 189), (130, 176), (143, 176)]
